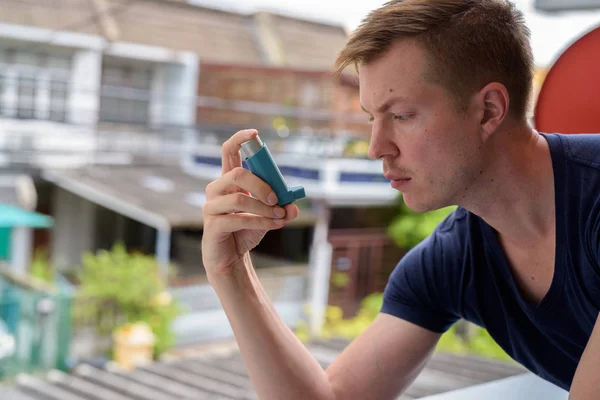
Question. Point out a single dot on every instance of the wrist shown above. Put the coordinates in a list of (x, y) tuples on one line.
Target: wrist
[(239, 271)]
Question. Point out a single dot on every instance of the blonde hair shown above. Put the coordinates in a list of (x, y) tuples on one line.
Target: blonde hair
[(469, 43)]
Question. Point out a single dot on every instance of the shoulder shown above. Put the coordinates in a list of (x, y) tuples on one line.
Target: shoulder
[(425, 286), (578, 185), (437, 262), (449, 237), (583, 149)]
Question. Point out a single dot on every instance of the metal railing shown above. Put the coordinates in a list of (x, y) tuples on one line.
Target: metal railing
[(120, 144), (35, 326)]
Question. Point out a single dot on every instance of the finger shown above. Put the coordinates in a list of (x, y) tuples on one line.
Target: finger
[(229, 223), (239, 202), (291, 211), (230, 151), (239, 178)]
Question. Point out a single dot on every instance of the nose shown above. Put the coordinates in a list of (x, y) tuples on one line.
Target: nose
[(381, 144)]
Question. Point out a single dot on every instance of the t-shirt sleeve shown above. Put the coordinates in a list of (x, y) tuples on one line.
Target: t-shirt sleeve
[(422, 288)]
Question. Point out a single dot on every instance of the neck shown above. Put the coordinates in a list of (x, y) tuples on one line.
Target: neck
[(515, 192)]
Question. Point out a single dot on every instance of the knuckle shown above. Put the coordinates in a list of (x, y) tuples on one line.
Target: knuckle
[(208, 209), (227, 143), (238, 174), (239, 199), (225, 149), (210, 189)]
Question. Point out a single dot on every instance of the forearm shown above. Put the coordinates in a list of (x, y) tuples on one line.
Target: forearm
[(279, 365), (586, 382)]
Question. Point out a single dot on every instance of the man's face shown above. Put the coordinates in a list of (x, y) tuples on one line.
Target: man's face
[(430, 151)]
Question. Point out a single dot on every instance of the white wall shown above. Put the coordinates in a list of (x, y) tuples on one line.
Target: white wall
[(174, 84), (177, 84), (79, 60), (84, 99)]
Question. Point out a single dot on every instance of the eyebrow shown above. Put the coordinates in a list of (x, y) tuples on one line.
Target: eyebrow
[(389, 102)]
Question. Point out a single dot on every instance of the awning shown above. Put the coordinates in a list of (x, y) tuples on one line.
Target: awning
[(161, 196), (12, 216)]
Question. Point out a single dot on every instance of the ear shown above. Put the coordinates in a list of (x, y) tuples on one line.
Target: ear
[(494, 102)]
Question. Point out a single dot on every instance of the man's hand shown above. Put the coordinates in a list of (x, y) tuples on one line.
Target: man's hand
[(234, 221), (586, 382)]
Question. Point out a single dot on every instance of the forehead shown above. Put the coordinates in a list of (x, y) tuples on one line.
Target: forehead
[(399, 72)]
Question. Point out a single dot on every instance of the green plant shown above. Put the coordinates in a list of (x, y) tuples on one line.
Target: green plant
[(339, 279), (121, 287), (336, 326), (40, 267), (478, 341), (409, 228)]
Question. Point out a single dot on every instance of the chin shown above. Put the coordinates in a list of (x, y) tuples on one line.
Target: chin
[(421, 205), (415, 205)]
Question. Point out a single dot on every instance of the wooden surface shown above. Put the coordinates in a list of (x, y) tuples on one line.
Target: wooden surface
[(521, 387), (223, 376)]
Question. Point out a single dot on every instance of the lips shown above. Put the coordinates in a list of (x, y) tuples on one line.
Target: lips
[(392, 177), (399, 184)]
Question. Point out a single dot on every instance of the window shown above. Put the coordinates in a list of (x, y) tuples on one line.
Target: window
[(26, 91), (125, 94), (34, 85), (58, 100)]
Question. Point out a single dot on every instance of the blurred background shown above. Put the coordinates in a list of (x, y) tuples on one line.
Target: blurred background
[(112, 114)]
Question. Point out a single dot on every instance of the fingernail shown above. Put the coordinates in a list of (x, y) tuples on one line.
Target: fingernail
[(278, 222), (272, 199), (279, 212), (250, 133)]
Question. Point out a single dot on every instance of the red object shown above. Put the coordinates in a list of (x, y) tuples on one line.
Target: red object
[(569, 100)]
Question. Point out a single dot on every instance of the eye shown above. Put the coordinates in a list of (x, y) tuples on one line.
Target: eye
[(402, 117)]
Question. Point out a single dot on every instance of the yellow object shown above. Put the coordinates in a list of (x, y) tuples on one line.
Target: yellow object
[(133, 345), (164, 298)]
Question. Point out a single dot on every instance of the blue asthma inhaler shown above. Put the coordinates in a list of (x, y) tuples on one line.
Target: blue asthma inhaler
[(261, 163)]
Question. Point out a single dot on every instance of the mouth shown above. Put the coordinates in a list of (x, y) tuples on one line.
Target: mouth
[(400, 183), (392, 177), (397, 181)]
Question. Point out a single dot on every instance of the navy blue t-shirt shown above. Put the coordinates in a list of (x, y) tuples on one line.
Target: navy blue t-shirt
[(460, 271)]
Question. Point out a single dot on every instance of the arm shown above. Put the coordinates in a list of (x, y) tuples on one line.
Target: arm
[(586, 382), (379, 364), (385, 359)]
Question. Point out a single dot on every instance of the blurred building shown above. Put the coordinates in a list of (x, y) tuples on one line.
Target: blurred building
[(286, 101), (117, 109), (68, 76)]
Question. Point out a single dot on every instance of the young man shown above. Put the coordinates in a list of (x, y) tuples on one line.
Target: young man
[(447, 84)]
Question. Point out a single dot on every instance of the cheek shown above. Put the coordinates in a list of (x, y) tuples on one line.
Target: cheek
[(437, 160), (432, 150)]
